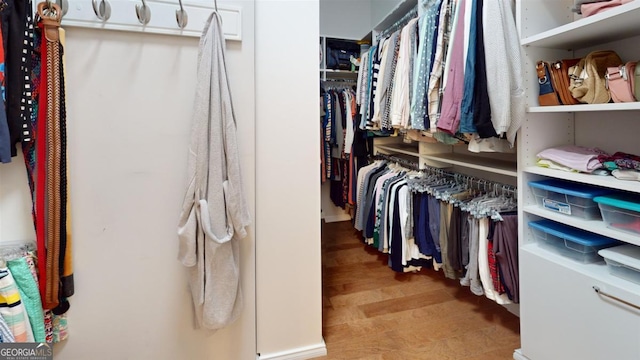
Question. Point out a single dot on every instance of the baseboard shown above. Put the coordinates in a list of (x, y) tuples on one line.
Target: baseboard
[(337, 218), (513, 308), (301, 353), (517, 355)]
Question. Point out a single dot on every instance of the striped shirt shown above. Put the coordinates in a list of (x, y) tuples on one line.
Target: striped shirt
[(12, 309)]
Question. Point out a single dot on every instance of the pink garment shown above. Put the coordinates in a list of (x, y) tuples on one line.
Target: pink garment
[(449, 120), (598, 7), (579, 158)]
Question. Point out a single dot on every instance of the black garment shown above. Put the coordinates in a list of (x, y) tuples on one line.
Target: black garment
[(395, 258), (14, 19), (505, 247), (464, 240), (335, 189), (481, 106), (421, 230), (454, 246)]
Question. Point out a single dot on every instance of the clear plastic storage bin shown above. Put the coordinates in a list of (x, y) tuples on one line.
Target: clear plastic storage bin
[(568, 241), (623, 261), (621, 212), (568, 198)]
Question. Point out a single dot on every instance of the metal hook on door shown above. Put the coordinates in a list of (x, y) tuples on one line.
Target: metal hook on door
[(143, 12), (215, 2), (102, 9), (182, 17), (64, 5)]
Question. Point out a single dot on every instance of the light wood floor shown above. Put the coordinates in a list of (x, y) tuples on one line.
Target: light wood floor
[(370, 312)]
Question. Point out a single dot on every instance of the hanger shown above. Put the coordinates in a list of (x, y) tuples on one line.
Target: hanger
[(215, 2), (143, 12), (101, 9), (182, 18), (14, 249)]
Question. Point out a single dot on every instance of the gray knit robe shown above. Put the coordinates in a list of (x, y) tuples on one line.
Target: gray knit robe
[(214, 213)]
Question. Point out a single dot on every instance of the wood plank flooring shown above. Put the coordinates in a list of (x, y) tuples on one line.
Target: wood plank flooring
[(370, 312)]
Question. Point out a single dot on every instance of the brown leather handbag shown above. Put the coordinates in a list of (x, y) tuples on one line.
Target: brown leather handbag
[(560, 79)]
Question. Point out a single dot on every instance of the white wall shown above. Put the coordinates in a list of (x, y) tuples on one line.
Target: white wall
[(381, 8), (345, 19), (129, 101), (289, 286)]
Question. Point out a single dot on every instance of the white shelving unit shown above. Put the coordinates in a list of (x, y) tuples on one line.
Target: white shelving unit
[(585, 107), (496, 167), (400, 148), (620, 22), (338, 74), (562, 317), (333, 74), (603, 181), (487, 164), (594, 226)]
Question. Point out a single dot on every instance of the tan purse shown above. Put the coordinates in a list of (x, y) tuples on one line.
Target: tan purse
[(588, 84)]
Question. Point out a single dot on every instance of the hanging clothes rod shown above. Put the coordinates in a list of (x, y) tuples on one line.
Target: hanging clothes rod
[(413, 13), (480, 184), (349, 81), (398, 160)]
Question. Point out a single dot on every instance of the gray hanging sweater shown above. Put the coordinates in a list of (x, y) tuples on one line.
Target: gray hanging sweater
[(214, 212)]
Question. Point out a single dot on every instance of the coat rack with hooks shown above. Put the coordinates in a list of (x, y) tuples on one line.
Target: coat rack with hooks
[(168, 17)]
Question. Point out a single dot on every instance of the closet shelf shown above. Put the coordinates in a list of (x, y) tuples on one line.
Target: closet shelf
[(614, 24), (339, 74), (476, 162), (585, 107), (598, 180), (401, 148), (339, 71), (598, 271), (594, 226)]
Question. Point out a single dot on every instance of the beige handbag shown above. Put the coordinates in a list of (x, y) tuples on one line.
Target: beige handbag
[(588, 84)]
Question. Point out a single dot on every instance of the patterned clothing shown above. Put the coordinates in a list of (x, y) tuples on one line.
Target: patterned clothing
[(25, 68), (327, 135), (29, 295), (620, 160), (493, 269), (6, 336), (423, 66), (362, 78), (367, 88), (434, 92), (373, 88), (48, 326), (386, 123), (12, 309), (60, 332), (15, 19)]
